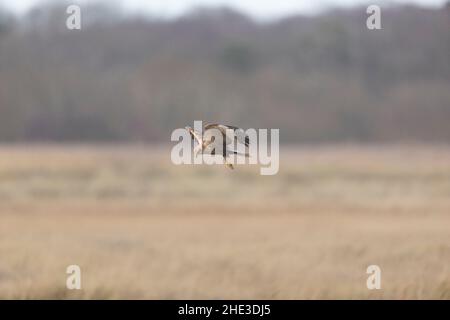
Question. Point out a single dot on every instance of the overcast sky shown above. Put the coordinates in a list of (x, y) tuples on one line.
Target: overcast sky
[(262, 9)]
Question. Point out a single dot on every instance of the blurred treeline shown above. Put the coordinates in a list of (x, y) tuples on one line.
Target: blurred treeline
[(324, 78)]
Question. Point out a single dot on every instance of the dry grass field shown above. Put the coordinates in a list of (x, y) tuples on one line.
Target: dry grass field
[(140, 227)]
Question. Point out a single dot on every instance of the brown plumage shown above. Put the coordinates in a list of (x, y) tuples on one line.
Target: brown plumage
[(207, 145)]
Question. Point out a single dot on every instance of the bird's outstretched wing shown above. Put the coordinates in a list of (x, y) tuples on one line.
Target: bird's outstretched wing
[(194, 135), (238, 134)]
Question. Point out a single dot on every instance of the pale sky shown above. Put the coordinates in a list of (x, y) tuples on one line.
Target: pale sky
[(260, 9)]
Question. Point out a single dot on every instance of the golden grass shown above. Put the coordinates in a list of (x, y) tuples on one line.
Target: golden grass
[(140, 227)]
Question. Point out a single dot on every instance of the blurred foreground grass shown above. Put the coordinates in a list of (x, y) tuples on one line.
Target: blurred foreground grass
[(140, 227)]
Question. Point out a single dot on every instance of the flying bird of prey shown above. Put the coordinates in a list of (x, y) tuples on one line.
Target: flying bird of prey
[(208, 145)]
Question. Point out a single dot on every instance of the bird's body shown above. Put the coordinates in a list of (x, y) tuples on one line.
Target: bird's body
[(207, 143)]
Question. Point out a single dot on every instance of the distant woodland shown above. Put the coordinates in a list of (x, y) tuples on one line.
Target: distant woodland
[(319, 79)]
